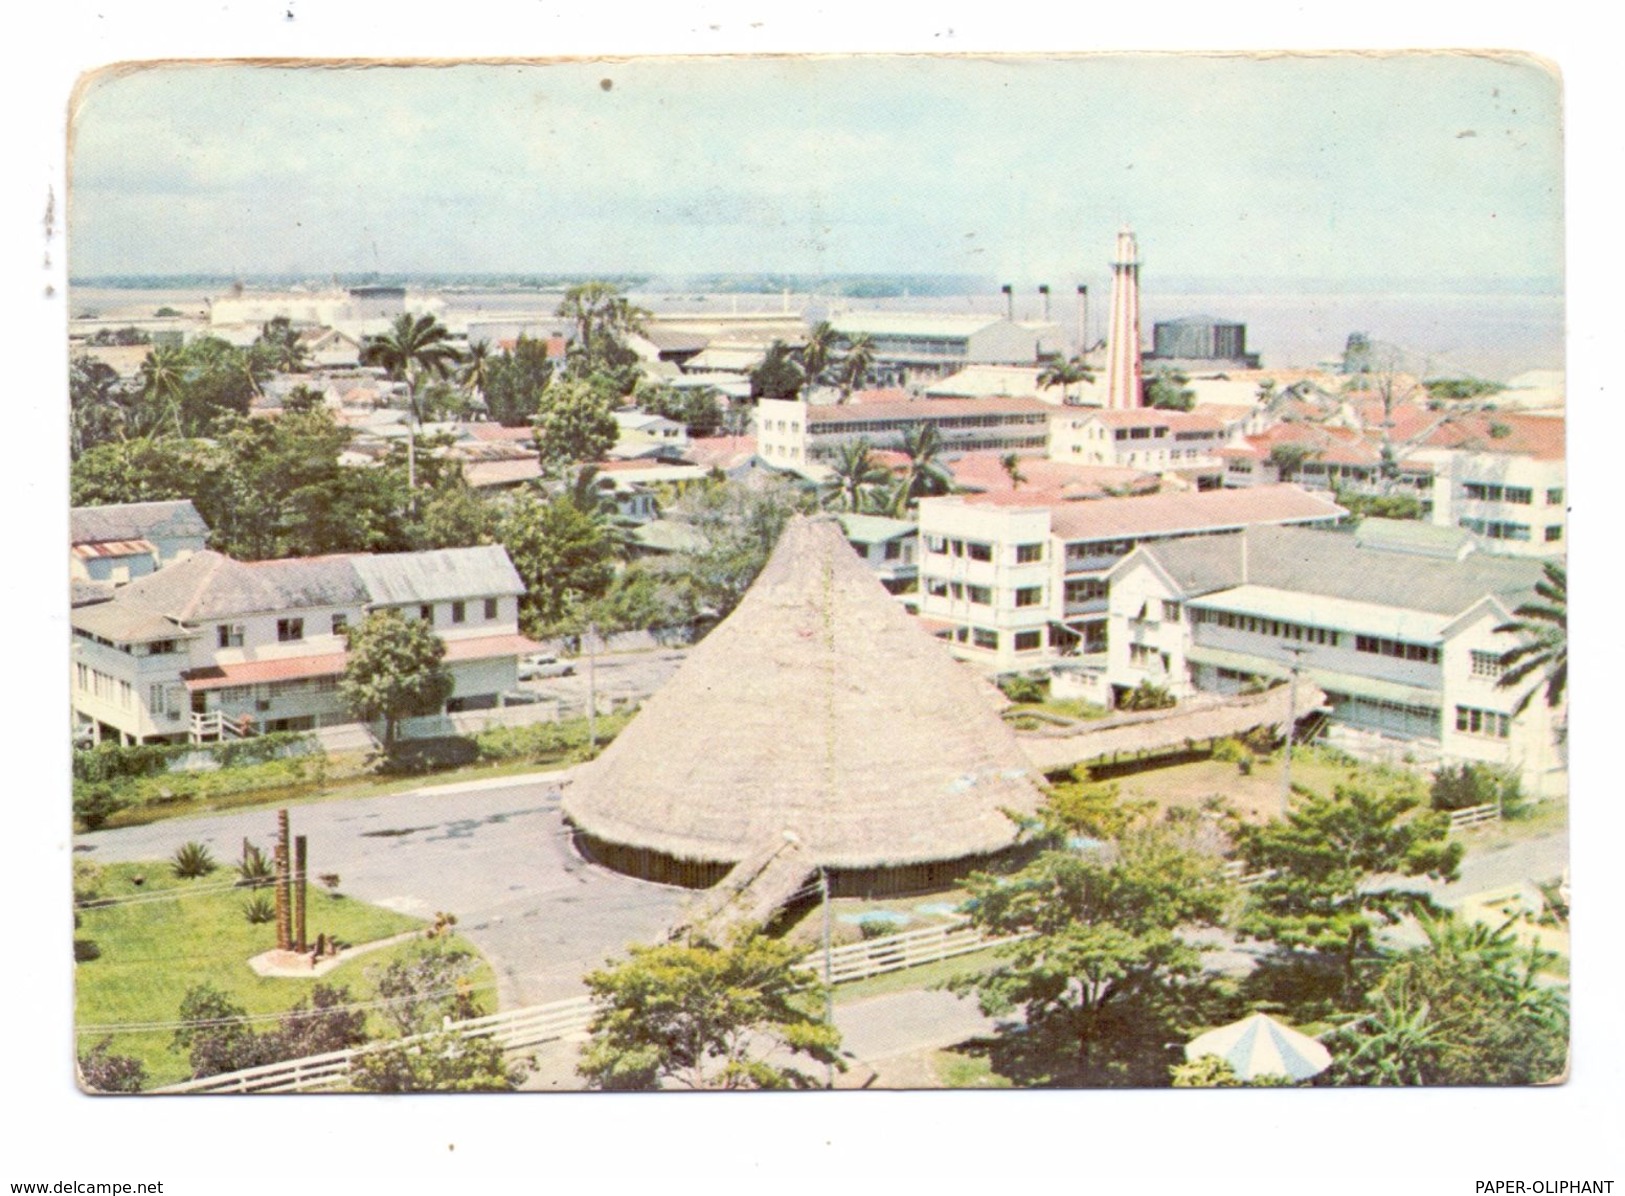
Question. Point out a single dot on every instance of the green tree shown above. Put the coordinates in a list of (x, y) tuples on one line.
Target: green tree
[(395, 670), (778, 376), (1320, 894), (1011, 464), (426, 988), (856, 362), (575, 426), (443, 1062), (818, 351), (705, 1017), (96, 410), (924, 474), (856, 475), (103, 1071), (456, 517), (1166, 390), (1105, 977), (736, 527), (516, 381), (163, 383), (123, 471), (1469, 1007), (1066, 374), (413, 345), (476, 372), (1289, 457), (603, 318), (561, 553), (1543, 626), (214, 1032), (281, 347)]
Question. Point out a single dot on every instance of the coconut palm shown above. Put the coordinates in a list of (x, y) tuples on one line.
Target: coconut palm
[(856, 363), (819, 350), (921, 443), (476, 367), (1543, 627), (1011, 463), (1065, 374), (412, 348), (163, 381), (281, 347), (857, 473)]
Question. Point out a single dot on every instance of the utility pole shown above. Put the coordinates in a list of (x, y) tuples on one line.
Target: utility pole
[(1291, 726), (829, 988), (592, 687)]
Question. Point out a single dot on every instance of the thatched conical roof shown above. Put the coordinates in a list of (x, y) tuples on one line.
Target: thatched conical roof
[(821, 708)]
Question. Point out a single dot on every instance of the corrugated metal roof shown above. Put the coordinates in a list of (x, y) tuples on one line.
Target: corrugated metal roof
[(124, 624), (113, 548), (926, 409), (406, 577), (1322, 610), (331, 664), (1170, 514), (875, 529), (135, 521)]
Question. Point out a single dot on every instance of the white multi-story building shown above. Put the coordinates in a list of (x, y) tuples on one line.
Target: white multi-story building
[(1404, 644), (793, 434), (888, 546), (1515, 504), (931, 345), (1015, 588), (211, 645), (1141, 438)]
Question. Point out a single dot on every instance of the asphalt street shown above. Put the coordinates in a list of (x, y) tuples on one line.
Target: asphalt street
[(496, 856)]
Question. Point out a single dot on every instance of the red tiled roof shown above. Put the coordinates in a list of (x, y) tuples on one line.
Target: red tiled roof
[(925, 409), (881, 394), (502, 473), (331, 664), (1137, 417), (985, 471), (114, 548), (1539, 436), (488, 430)]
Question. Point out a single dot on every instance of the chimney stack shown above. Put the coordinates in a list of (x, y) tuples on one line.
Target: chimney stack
[(1044, 291), (1083, 319), (1009, 302)]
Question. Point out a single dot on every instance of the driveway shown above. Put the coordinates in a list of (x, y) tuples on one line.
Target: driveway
[(495, 855)]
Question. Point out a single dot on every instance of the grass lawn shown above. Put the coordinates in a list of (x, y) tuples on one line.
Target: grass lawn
[(927, 975), (1255, 796), (152, 951), (955, 1069)]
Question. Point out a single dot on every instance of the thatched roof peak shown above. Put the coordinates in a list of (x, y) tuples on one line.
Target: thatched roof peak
[(821, 708)]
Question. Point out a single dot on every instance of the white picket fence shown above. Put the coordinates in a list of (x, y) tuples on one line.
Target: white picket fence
[(1460, 820), (535, 1025)]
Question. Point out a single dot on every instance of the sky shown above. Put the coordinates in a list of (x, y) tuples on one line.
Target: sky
[(1420, 171)]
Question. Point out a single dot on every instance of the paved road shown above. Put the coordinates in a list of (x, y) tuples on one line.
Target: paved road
[(497, 856)]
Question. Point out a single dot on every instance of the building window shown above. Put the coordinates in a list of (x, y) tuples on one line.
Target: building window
[(1026, 554), (1087, 590), (288, 630), (155, 698), (324, 685), (983, 638), (979, 552), (459, 612), (1522, 495), (1030, 596), (894, 549), (1488, 723), (490, 608), (936, 544), (1144, 656), (426, 613), (1554, 533), (1029, 641), (1554, 496), (1170, 611), (957, 547), (341, 624), (161, 648), (980, 595), (1487, 664), (229, 635), (956, 590)]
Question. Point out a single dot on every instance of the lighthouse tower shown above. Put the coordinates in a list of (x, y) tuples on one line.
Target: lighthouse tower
[(1123, 368)]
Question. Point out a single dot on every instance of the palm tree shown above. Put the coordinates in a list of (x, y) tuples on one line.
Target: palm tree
[(925, 475), (856, 363), (1288, 458), (163, 380), (1544, 628), (281, 348), (413, 347), (1012, 468), (476, 367), (599, 310), (819, 350), (1065, 374), (856, 471)]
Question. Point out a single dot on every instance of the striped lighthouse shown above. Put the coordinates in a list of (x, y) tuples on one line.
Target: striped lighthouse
[(1123, 370)]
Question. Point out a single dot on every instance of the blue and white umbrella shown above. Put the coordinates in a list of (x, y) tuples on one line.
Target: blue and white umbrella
[(1261, 1046)]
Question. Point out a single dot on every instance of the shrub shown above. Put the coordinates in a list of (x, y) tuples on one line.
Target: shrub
[(254, 870), (214, 1032), (259, 909), (1228, 751), (1460, 786), (1147, 695), (425, 988), (322, 1022), (95, 803), (445, 1062), (103, 1071), (87, 882), (414, 757), (85, 950), (192, 860), (876, 928), (1025, 689)]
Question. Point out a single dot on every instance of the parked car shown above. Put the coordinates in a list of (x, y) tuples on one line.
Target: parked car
[(544, 664)]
